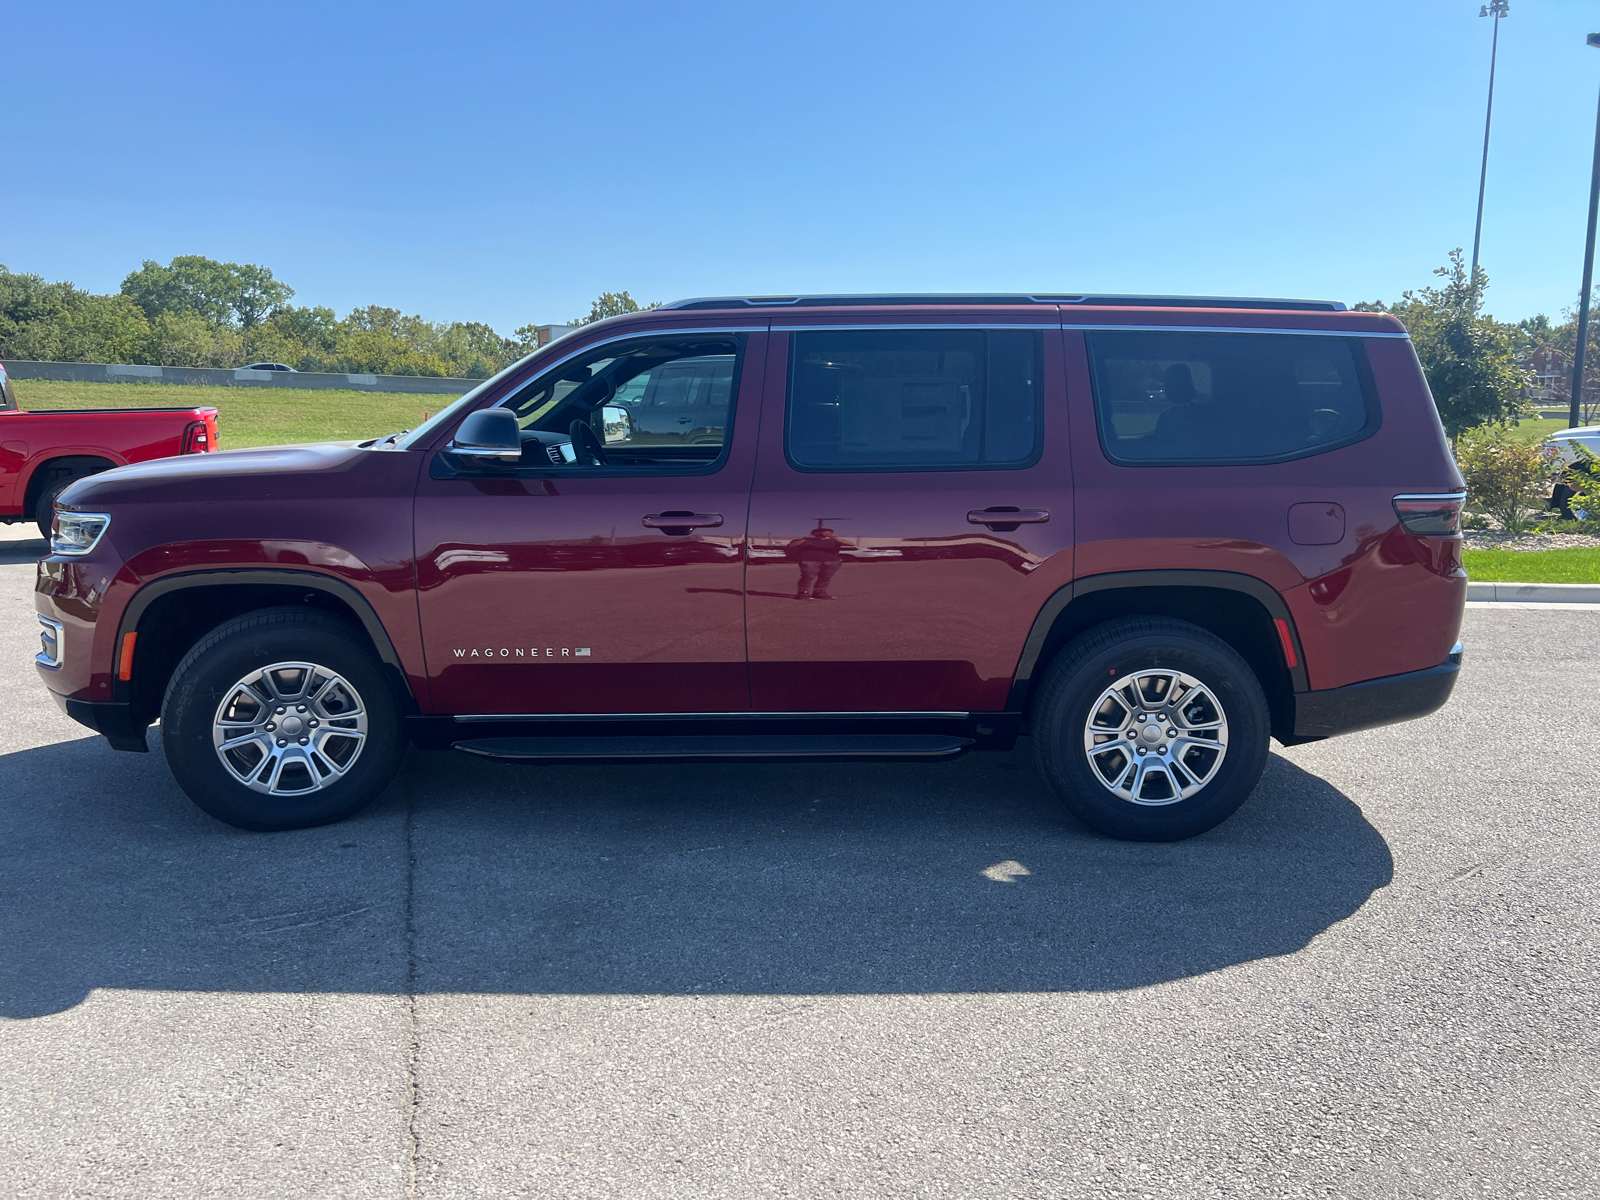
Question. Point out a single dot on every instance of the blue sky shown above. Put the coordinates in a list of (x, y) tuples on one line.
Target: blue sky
[(506, 162)]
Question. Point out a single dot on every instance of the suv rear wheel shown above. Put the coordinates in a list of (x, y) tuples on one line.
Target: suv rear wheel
[(281, 719), (1151, 729)]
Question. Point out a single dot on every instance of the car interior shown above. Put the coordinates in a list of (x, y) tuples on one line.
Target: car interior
[(1204, 398), (655, 403)]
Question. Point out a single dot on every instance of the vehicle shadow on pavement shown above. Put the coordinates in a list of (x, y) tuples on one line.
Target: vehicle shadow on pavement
[(814, 879), (14, 550)]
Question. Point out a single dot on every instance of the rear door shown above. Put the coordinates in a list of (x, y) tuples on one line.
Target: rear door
[(912, 512)]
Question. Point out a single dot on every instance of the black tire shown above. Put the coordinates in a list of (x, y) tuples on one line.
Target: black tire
[(207, 677), (58, 480), (1107, 654), (44, 508)]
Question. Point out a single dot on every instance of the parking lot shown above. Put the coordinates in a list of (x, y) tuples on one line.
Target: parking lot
[(1377, 980)]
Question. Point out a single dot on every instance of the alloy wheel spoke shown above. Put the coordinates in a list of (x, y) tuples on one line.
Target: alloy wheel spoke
[(308, 746), (1172, 715)]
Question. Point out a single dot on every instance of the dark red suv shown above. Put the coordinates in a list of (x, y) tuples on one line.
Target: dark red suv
[(1146, 533)]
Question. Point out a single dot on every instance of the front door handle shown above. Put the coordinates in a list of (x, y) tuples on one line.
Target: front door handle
[(678, 524), (1003, 518)]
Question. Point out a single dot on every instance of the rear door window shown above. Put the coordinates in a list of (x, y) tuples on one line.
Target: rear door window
[(934, 399), (1178, 397)]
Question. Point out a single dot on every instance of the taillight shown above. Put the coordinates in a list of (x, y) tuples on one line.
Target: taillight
[(1436, 515), (195, 438)]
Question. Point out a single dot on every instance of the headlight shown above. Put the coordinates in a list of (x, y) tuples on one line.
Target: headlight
[(78, 532)]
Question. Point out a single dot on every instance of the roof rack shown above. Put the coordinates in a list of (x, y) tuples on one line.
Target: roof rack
[(1020, 298)]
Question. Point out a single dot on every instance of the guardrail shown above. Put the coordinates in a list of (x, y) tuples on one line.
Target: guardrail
[(430, 385)]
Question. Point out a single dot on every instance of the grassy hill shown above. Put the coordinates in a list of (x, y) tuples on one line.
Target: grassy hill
[(250, 416)]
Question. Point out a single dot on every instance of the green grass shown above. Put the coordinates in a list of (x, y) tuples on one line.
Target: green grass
[(249, 416), (1537, 431), (1533, 566)]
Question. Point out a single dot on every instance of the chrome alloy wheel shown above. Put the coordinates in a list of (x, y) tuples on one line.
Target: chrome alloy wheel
[(290, 729), (1156, 736)]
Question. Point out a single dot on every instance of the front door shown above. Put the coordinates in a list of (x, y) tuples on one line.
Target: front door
[(605, 574), (881, 579)]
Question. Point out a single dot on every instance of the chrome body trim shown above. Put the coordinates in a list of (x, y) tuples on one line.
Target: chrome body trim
[(1458, 495), (1069, 326), (919, 325), (666, 330), (44, 657), (442, 418)]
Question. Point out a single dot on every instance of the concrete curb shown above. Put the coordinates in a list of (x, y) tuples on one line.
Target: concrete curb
[(1537, 593)]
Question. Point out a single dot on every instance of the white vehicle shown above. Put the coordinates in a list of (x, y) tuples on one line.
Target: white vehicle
[(1588, 435)]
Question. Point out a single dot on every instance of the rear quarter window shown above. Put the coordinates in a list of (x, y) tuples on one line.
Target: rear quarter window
[(1175, 397)]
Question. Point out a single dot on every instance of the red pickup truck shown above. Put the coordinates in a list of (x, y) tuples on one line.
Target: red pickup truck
[(42, 452)]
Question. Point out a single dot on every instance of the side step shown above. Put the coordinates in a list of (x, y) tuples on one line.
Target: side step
[(863, 747)]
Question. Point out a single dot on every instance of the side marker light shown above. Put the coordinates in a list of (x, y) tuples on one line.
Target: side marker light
[(1287, 642)]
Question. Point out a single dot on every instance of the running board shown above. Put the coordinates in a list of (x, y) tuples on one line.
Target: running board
[(868, 747)]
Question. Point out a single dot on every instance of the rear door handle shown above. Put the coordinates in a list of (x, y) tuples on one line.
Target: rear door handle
[(1004, 518), (680, 523)]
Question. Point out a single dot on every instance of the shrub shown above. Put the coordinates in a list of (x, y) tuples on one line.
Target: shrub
[(1583, 477), (1508, 479)]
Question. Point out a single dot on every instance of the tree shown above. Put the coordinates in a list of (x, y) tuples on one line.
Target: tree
[(612, 304), (1469, 358), (1563, 339), (58, 322), (255, 293), (221, 294), (195, 311)]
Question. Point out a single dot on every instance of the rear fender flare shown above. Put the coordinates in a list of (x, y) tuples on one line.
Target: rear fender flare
[(1054, 608)]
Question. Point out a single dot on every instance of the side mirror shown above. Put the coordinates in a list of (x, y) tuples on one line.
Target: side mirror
[(617, 422), (490, 435)]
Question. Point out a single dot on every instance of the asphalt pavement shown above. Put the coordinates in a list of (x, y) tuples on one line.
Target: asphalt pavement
[(1377, 980)]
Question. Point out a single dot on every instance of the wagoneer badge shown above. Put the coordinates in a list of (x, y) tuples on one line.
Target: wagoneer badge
[(512, 653)]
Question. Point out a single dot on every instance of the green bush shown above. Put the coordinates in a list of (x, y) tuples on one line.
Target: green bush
[(1583, 477), (1507, 479)]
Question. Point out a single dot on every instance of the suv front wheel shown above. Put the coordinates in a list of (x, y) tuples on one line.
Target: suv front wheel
[(281, 719), (1151, 729)]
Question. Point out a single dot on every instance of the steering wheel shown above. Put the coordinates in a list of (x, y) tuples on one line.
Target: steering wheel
[(583, 435)]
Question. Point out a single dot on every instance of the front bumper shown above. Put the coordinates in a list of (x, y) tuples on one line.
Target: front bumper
[(1375, 702), (113, 719)]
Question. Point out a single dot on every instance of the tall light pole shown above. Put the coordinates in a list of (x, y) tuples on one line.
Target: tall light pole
[(1588, 272), (1496, 9)]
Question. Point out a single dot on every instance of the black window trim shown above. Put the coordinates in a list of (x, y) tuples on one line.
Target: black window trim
[(914, 468), (1358, 354), (740, 336)]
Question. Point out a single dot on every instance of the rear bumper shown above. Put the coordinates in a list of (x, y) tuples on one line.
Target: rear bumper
[(1375, 702), (114, 720)]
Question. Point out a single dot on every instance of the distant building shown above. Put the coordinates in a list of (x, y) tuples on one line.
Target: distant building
[(549, 333), (1552, 376)]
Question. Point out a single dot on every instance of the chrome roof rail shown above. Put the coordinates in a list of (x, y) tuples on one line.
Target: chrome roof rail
[(984, 299)]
